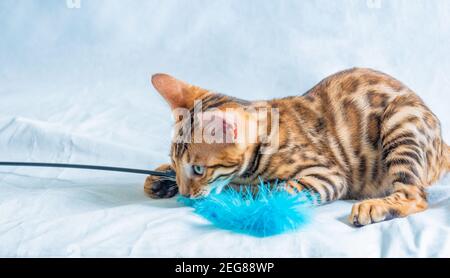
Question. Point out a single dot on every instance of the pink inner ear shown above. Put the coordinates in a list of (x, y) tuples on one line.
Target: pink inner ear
[(229, 126), (170, 89)]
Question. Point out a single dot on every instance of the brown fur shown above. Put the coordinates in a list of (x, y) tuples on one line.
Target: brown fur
[(447, 159), (358, 134)]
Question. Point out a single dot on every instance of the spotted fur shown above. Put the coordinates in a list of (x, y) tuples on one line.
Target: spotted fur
[(358, 134)]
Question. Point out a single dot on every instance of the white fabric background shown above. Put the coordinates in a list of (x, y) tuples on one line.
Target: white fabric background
[(74, 87)]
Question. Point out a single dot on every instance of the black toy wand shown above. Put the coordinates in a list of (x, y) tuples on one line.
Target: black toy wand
[(169, 174)]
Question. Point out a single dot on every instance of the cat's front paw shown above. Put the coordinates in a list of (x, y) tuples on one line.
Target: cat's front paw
[(160, 187)]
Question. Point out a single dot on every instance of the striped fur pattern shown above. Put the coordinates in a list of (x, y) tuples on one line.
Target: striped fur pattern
[(358, 134)]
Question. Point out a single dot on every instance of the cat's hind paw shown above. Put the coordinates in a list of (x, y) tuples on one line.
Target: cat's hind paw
[(371, 211)]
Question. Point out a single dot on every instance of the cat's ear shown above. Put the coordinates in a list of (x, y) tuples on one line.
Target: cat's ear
[(228, 125), (177, 93)]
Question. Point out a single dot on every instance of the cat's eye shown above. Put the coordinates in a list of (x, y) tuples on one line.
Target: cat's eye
[(198, 170)]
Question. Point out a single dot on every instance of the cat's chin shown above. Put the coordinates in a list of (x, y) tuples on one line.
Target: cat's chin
[(200, 196)]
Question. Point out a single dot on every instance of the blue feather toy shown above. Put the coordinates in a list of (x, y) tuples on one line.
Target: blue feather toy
[(270, 211)]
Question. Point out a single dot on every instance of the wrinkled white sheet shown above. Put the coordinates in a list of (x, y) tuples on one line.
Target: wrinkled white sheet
[(74, 87), (72, 213)]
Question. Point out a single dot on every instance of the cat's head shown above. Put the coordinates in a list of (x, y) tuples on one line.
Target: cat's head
[(200, 161)]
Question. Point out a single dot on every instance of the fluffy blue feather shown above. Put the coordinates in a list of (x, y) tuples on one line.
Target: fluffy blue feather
[(270, 211)]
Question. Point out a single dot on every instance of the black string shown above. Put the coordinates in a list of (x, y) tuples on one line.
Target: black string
[(168, 174)]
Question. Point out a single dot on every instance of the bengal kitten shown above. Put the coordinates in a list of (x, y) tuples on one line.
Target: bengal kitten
[(358, 134)]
